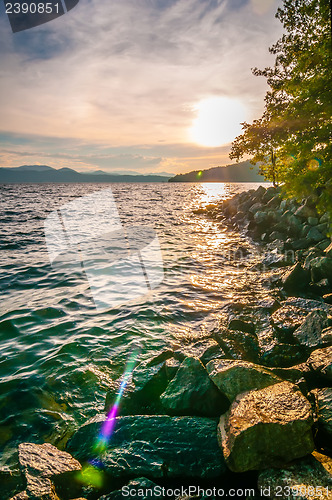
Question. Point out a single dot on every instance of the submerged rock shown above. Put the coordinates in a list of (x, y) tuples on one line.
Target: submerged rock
[(184, 447), (191, 392), (234, 377), (266, 428), (306, 479)]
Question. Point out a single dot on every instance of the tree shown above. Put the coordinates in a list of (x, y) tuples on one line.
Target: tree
[(293, 138)]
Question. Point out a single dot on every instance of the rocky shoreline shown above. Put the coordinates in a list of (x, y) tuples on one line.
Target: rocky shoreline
[(250, 407)]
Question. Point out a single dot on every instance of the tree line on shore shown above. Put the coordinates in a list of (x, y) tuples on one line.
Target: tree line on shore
[(292, 141)]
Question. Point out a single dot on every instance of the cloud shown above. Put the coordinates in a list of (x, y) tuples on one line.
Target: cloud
[(128, 73)]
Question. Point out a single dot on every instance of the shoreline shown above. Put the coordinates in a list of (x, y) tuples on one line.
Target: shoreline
[(275, 352)]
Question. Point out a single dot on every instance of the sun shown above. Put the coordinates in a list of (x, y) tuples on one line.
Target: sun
[(217, 121)]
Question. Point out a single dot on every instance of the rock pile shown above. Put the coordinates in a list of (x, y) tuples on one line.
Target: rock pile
[(295, 229), (252, 397)]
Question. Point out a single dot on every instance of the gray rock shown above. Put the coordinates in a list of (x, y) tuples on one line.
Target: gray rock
[(320, 362), (241, 325), (307, 304), (321, 267), (234, 377), (296, 278), (315, 235), (150, 379), (283, 355), (266, 428), (238, 345), (305, 212), (286, 320), (144, 446), (313, 221), (191, 392), (293, 374), (306, 479), (309, 334)]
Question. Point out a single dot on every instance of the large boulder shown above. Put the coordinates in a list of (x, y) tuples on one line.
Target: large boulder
[(306, 479), (286, 320), (296, 279), (321, 267), (234, 377), (191, 392), (40, 464), (238, 345), (185, 447), (310, 333), (266, 428), (279, 354), (320, 363), (149, 380)]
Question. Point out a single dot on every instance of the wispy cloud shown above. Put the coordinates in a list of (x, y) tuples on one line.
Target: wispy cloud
[(127, 74)]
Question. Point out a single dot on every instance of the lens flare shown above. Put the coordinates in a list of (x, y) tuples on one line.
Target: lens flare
[(91, 474)]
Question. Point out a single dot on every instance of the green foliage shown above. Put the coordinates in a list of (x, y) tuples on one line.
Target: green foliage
[(293, 138)]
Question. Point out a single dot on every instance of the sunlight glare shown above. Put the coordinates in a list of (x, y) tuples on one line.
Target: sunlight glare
[(218, 121)]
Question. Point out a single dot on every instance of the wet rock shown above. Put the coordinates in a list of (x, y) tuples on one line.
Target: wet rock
[(241, 325), (293, 374), (283, 355), (129, 402), (135, 489), (212, 352), (323, 403), (320, 362), (234, 377), (144, 446), (307, 304), (191, 392), (266, 428), (309, 334), (238, 345), (150, 380), (273, 259), (306, 479), (286, 320), (296, 279)]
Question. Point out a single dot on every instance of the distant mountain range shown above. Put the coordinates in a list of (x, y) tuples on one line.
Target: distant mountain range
[(44, 173), (238, 172)]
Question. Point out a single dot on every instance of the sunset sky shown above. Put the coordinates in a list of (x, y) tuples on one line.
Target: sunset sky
[(134, 85)]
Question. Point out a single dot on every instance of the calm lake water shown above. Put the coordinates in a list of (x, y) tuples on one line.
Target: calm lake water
[(57, 353)]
